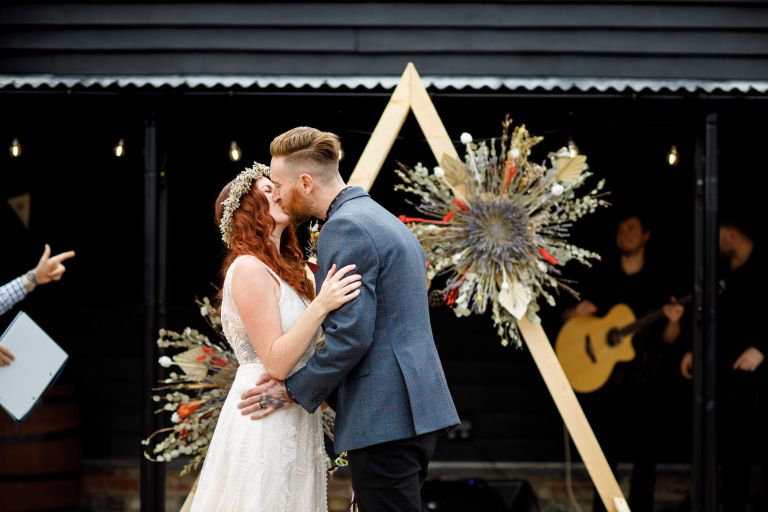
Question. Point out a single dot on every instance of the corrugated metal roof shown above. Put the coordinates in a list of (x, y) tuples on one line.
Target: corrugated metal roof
[(600, 85)]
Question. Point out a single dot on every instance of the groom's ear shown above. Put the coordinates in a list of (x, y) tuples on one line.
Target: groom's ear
[(306, 182)]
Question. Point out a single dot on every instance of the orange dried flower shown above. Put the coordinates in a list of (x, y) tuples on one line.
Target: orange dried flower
[(185, 410)]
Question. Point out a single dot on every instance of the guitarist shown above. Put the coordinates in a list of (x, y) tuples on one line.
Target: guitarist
[(741, 375), (630, 407)]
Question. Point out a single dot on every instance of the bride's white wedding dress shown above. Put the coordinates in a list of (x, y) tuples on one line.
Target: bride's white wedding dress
[(276, 464)]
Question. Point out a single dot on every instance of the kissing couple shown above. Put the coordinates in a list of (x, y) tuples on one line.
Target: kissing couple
[(267, 452)]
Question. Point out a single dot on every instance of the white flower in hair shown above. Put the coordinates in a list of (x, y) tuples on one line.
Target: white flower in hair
[(242, 185)]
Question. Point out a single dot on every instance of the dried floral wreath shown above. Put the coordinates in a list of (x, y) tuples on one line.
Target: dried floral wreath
[(498, 225), (242, 185)]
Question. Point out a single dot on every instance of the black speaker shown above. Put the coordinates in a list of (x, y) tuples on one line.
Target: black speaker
[(518, 495), (478, 496)]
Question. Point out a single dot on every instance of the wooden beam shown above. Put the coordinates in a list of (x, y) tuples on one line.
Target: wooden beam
[(429, 120), (187, 505), (383, 136), (573, 416)]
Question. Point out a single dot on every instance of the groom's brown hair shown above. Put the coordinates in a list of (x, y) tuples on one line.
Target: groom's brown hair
[(310, 150), (310, 147)]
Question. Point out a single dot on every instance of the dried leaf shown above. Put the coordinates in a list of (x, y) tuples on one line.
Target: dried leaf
[(569, 169), (193, 368), (515, 299), (456, 175)]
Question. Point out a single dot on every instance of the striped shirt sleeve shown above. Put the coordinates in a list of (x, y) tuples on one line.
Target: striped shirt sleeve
[(11, 294)]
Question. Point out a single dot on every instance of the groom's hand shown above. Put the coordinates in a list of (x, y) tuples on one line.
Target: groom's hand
[(266, 397)]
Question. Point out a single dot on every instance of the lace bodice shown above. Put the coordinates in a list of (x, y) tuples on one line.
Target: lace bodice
[(292, 305)]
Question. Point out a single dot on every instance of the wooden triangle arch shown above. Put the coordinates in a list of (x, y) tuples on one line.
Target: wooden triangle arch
[(410, 95)]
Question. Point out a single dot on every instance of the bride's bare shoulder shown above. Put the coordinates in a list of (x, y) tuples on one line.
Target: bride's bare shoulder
[(248, 261), (250, 276)]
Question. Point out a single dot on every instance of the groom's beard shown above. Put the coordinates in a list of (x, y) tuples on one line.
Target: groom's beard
[(300, 209)]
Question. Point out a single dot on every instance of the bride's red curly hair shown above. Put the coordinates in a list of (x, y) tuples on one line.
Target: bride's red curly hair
[(251, 226)]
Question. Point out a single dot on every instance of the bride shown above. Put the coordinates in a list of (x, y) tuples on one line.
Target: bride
[(277, 464)]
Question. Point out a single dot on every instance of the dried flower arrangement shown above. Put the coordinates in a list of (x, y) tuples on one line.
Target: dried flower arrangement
[(194, 396), (498, 225)]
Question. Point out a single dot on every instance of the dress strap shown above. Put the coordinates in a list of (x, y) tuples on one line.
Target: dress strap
[(273, 273)]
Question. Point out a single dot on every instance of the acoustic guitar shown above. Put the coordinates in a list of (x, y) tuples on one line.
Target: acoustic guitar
[(589, 347)]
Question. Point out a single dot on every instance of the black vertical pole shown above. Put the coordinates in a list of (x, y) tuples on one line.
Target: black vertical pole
[(697, 448), (710, 313), (704, 454), (162, 244), (152, 474)]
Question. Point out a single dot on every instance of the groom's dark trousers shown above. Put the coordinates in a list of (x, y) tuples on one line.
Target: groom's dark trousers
[(387, 477)]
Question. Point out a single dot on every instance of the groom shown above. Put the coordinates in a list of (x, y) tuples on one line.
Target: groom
[(393, 399)]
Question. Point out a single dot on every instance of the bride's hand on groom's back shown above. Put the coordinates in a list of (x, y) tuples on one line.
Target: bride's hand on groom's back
[(268, 396)]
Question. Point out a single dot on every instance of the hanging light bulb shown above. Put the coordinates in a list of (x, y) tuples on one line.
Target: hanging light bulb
[(673, 158), (119, 149), (573, 149), (234, 152), (15, 149)]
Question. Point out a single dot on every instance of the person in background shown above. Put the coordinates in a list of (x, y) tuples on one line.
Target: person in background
[(48, 269), (629, 406), (741, 348)]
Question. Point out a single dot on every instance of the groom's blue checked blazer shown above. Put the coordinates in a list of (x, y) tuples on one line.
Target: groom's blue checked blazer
[(379, 349)]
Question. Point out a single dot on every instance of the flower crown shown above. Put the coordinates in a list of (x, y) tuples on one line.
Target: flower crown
[(241, 186)]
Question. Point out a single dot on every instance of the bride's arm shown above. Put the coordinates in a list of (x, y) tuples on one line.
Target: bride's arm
[(256, 294)]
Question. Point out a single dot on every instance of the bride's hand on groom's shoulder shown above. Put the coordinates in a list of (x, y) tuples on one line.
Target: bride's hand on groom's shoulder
[(268, 396)]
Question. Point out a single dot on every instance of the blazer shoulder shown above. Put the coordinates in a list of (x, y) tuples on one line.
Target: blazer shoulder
[(350, 219)]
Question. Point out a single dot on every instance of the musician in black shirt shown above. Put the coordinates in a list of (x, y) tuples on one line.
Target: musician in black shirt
[(628, 407), (741, 375)]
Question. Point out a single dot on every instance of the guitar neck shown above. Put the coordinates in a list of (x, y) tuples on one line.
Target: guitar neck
[(650, 318)]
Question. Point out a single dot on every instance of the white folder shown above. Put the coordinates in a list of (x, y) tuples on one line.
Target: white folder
[(38, 361)]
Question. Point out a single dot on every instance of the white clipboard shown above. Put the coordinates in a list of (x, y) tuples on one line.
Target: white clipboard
[(38, 361)]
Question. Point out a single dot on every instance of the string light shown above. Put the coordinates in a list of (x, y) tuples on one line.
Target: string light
[(234, 152), (673, 157), (119, 149), (15, 149)]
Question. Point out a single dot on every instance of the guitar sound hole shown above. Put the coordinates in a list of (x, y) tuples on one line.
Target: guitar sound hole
[(614, 337)]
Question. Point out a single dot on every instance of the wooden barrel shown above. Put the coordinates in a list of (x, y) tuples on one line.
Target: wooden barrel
[(41, 458)]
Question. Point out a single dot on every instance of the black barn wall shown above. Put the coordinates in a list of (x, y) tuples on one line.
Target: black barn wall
[(85, 199), (631, 38)]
